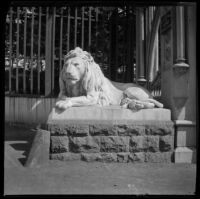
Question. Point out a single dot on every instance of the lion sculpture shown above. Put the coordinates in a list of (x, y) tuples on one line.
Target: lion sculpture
[(82, 83)]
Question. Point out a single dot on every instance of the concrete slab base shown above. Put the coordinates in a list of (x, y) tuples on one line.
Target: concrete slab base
[(185, 155), (39, 153), (109, 113)]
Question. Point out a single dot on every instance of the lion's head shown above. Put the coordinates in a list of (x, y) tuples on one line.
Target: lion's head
[(80, 69), (74, 70)]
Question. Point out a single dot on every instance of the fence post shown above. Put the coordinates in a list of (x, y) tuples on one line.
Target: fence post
[(48, 49), (140, 47)]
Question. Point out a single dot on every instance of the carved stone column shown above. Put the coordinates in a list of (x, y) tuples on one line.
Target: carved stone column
[(180, 37), (140, 46), (176, 76), (180, 67), (174, 72), (175, 79), (185, 130)]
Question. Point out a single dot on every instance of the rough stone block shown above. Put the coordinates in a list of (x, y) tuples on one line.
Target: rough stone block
[(65, 156), (87, 144), (151, 143), (120, 129), (114, 144), (136, 157), (136, 143), (90, 157), (69, 129), (123, 157), (59, 144), (108, 157), (159, 157), (166, 143), (102, 129), (78, 129), (159, 128), (56, 129), (128, 129), (136, 130)]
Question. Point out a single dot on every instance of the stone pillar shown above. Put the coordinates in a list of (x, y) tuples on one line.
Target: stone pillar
[(180, 67), (185, 146), (140, 46), (175, 81)]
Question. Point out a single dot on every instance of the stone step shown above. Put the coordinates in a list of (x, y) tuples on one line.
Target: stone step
[(111, 138)]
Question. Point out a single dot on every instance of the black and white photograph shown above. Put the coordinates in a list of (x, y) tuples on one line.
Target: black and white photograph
[(100, 98)]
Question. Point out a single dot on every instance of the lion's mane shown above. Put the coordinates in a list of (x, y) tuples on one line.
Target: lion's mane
[(92, 80)]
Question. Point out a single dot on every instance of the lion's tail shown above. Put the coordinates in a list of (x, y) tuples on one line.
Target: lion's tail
[(158, 104)]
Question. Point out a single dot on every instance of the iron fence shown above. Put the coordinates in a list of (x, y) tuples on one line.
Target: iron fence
[(37, 38)]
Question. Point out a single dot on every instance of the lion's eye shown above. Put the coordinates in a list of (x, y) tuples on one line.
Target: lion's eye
[(76, 64)]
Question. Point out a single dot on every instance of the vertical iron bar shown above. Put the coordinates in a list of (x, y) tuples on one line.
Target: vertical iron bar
[(146, 65), (75, 28), (96, 20), (24, 71), (17, 53), (10, 50), (126, 46), (116, 46), (32, 35), (48, 53), (89, 39), (53, 49), (68, 29), (82, 28), (128, 58), (39, 40), (61, 35)]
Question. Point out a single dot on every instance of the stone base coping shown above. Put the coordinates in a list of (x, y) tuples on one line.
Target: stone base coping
[(109, 113), (184, 123)]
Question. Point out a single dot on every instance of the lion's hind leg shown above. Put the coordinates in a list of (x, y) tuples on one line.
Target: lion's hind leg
[(158, 104), (139, 104)]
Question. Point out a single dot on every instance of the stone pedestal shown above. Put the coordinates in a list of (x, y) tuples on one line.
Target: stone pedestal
[(177, 85), (111, 134), (185, 141)]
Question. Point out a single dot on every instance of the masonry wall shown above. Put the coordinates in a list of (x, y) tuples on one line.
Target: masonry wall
[(140, 141)]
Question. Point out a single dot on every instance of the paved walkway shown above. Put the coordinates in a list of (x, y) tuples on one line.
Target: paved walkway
[(78, 177)]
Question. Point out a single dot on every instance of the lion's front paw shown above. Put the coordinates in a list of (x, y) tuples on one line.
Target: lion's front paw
[(64, 104), (124, 102)]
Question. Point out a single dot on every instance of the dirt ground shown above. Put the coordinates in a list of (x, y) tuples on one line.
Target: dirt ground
[(78, 177)]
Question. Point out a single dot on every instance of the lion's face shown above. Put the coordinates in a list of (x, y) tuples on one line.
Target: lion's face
[(74, 69)]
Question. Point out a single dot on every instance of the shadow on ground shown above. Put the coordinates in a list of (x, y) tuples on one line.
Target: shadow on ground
[(20, 138)]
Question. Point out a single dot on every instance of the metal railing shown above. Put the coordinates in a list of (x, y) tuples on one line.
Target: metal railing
[(37, 38)]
